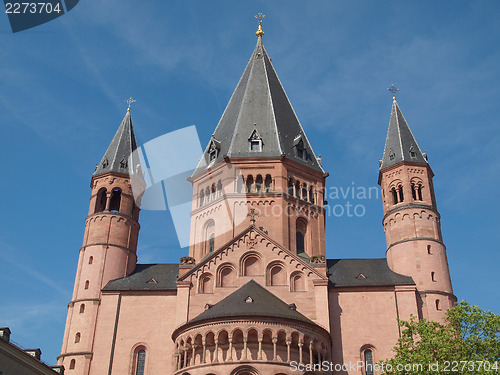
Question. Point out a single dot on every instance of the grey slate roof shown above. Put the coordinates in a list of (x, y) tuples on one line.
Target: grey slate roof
[(116, 158), (265, 304), (259, 103), (364, 272), (148, 277), (400, 141)]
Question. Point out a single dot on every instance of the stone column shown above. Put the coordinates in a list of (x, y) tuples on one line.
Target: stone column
[(229, 356), (203, 357), (194, 355), (108, 200), (259, 356), (185, 356), (244, 354), (216, 353), (288, 343), (311, 359), (275, 340), (300, 352)]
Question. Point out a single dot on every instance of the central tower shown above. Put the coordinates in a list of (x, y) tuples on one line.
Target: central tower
[(259, 167)]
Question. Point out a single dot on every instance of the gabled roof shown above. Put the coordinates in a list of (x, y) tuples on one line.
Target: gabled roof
[(400, 144), (364, 272), (260, 103), (147, 277), (116, 158), (263, 304)]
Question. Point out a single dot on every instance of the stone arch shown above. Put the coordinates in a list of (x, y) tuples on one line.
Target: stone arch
[(251, 264), (100, 201), (276, 274), (115, 200), (268, 184), (301, 237), (297, 282), (208, 236), (245, 370), (138, 354), (226, 275)]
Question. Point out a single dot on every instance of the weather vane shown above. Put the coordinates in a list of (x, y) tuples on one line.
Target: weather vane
[(130, 101), (260, 32), (393, 89)]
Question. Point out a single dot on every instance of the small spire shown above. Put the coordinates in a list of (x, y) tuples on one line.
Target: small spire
[(260, 32)]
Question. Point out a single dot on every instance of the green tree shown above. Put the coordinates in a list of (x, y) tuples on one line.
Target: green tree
[(467, 343)]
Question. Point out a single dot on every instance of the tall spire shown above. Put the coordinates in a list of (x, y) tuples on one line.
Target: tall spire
[(259, 112), (400, 144), (116, 158)]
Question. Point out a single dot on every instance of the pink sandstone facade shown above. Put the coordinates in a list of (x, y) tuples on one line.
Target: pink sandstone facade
[(257, 294)]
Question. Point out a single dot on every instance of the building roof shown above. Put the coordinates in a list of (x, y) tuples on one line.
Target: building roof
[(261, 303), (259, 109), (364, 272), (116, 158), (147, 277), (400, 144)]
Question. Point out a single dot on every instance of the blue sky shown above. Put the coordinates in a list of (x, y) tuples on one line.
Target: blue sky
[(62, 87)]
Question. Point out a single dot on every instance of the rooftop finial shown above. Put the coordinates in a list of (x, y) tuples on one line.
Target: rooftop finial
[(393, 89), (260, 32), (130, 101)]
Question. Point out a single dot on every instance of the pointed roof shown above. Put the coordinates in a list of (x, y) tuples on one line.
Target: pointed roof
[(258, 106), (400, 144), (116, 158), (261, 303)]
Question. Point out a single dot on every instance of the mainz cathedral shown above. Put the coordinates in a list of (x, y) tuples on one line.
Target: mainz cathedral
[(256, 295)]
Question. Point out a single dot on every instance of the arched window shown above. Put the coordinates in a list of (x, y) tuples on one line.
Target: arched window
[(72, 364), (202, 198), (140, 362), (269, 183), (429, 250), (207, 195), (419, 192), (211, 243), (297, 282), (276, 274), (77, 337), (114, 203), (87, 284), (290, 187), (100, 204), (258, 184), (250, 184), (394, 196), (219, 189), (226, 276), (304, 192), (438, 305), (368, 360), (297, 189), (206, 284), (433, 276), (251, 265), (91, 259), (212, 197), (300, 237), (401, 196), (82, 308), (311, 195)]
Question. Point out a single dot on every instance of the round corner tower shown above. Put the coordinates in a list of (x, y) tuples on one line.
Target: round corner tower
[(109, 245), (411, 220)]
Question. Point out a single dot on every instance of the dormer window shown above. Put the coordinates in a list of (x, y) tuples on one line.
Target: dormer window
[(413, 154), (392, 155), (255, 141), (299, 147), (213, 150)]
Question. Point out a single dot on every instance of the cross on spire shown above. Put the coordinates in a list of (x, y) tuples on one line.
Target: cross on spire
[(393, 89), (252, 214), (260, 16), (130, 101)]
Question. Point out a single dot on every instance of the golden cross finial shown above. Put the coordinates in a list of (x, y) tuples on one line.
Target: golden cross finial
[(252, 214), (259, 31), (130, 101)]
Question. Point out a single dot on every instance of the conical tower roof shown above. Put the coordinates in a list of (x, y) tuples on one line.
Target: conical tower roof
[(259, 109), (400, 144), (116, 158)]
